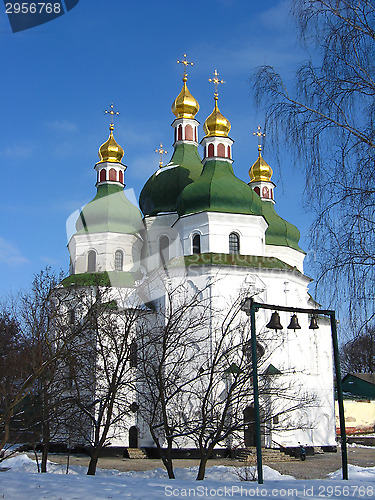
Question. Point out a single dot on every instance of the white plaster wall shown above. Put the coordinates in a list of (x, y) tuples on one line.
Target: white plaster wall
[(105, 246), (215, 229), (287, 255), (304, 356)]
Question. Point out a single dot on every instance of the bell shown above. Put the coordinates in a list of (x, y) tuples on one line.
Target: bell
[(294, 325), (313, 323), (274, 323)]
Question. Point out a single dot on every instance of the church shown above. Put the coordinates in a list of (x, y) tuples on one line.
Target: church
[(200, 224)]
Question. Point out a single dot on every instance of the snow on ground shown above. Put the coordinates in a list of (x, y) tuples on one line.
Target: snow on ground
[(22, 482)]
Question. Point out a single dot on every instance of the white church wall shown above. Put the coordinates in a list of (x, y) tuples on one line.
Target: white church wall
[(286, 254), (304, 356), (157, 227), (215, 229), (105, 246)]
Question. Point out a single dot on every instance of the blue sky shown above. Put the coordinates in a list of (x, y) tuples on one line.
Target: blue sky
[(58, 78)]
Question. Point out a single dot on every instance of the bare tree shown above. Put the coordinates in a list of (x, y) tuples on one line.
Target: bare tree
[(327, 120), (14, 368), (98, 366), (43, 338), (195, 375), (224, 390), (171, 343), (358, 354)]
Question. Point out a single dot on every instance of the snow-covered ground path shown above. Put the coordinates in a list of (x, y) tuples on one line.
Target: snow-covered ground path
[(22, 482)]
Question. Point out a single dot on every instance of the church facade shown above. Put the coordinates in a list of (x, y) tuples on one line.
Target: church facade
[(200, 224)]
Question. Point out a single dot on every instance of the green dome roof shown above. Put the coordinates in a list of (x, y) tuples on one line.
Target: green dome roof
[(109, 211), (279, 231), (219, 190), (162, 189)]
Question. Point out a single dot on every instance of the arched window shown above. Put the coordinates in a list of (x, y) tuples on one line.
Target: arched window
[(102, 175), (197, 243), (121, 177), (210, 151), (164, 249), (265, 192), (133, 354), (119, 260), (188, 133), (234, 243), (257, 190), (112, 175), (179, 133), (195, 134), (228, 155), (91, 262), (221, 150)]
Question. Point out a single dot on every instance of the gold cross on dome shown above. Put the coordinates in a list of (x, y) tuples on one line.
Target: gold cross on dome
[(186, 63), (260, 135), (216, 81), (112, 113), (161, 151)]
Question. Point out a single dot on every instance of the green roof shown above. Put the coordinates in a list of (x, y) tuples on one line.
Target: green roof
[(279, 231), (162, 189), (360, 384), (219, 190), (111, 278), (224, 259), (272, 370), (109, 211)]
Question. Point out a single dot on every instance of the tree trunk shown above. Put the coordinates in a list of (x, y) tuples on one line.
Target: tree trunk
[(46, 430), (202, 468), (45, 456), (93, 462)]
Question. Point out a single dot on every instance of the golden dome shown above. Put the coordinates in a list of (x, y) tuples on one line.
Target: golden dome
[(111, 151), (216, 124), (260, 171), (185, 105)]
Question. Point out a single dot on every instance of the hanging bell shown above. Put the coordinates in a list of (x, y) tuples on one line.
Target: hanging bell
[(294, 325), (313, 323), (274, 323)]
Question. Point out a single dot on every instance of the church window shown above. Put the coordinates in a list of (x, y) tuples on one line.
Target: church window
[(179, 133), (195, 134), (102, 175), (91, 262), (221, 150), (121, 177), (134, 407), (196, 243), (188, 133), (234, 243), (229, 154), (210, 151), (112, 175), (271, 191), (72, 317), (119, 260), (257, 190), (265, 192), (133, 354), (164, 249)]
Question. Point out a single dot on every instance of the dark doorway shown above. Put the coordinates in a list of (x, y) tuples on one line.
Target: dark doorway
[(249, 429), (249, 420), (133, 437)]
